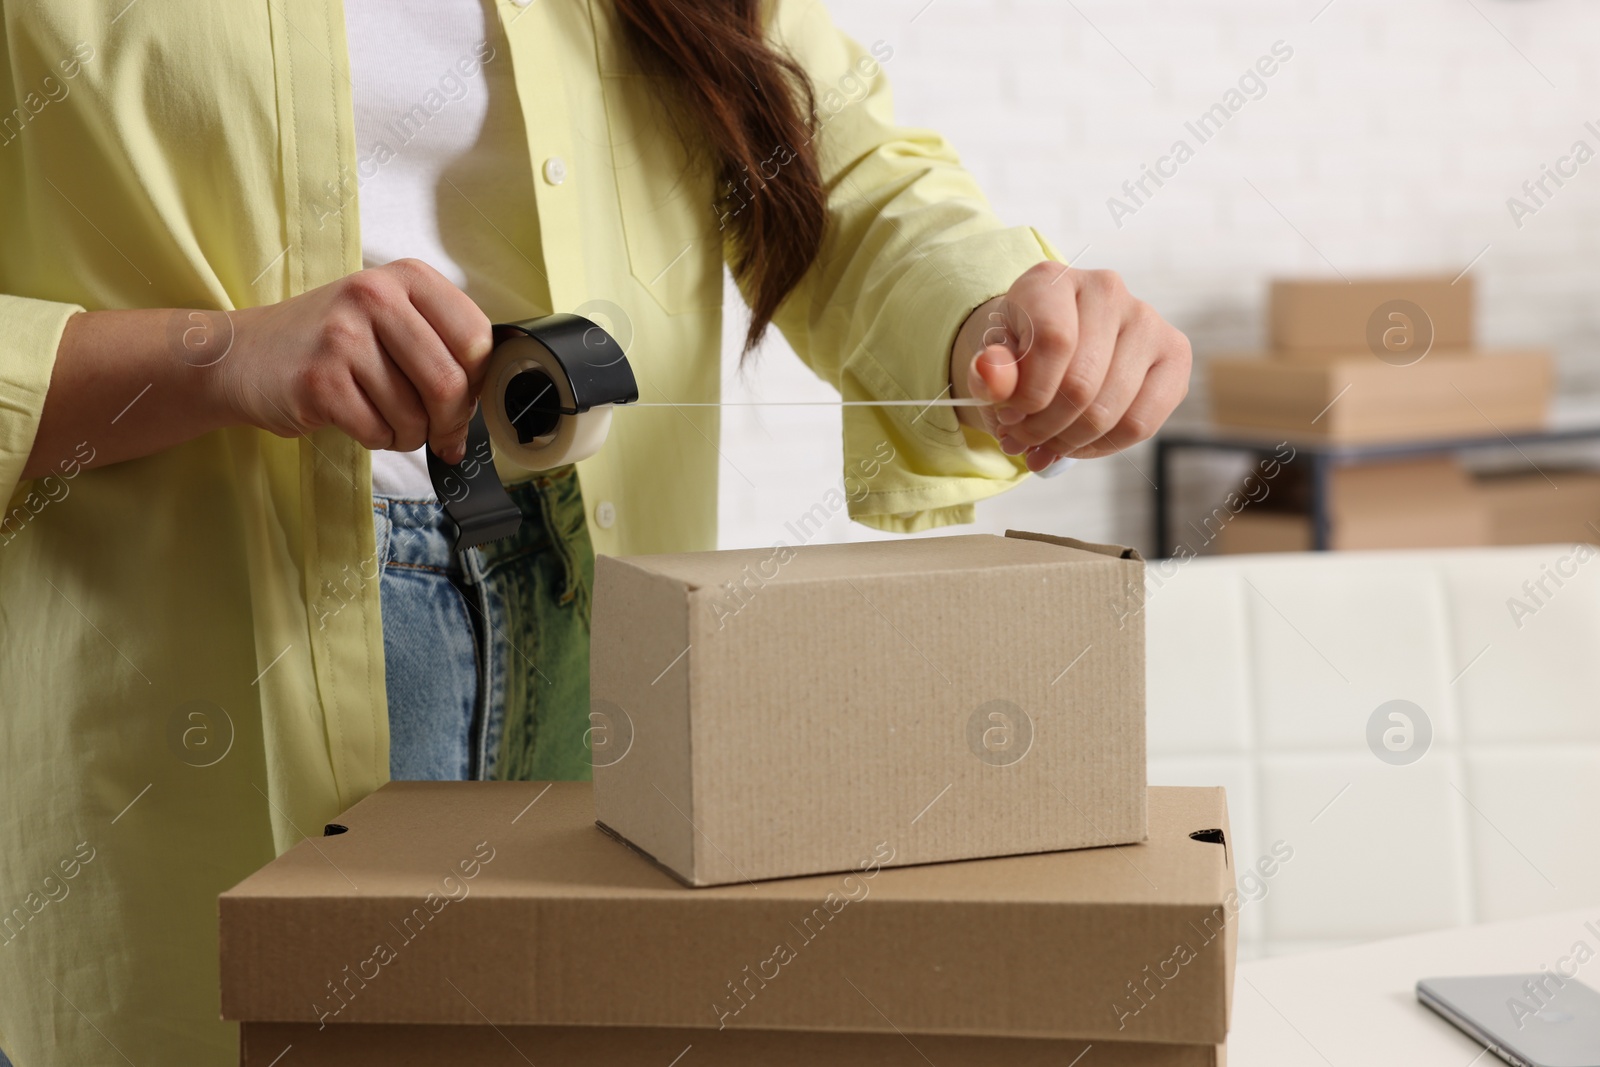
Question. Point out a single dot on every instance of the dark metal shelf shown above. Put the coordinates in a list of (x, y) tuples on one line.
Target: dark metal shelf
[(1323, 456)]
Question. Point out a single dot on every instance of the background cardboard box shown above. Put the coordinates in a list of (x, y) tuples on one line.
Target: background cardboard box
[(1357, 398), (499, 904), (1333, 315), (1532, 508), (1424, 503), (1251, 533), (791, 708), (1420, 503)]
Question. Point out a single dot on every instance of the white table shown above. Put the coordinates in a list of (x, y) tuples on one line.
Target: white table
[(1357, 1007)]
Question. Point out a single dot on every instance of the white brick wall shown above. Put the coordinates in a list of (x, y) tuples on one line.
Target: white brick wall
[(1390, 141)]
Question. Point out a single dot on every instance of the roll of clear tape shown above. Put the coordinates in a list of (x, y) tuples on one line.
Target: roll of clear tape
[(527, 404)]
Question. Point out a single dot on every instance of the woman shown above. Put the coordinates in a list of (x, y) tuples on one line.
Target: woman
[(251, 256)]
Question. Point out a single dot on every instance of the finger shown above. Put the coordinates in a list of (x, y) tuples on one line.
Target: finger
[(992, 376), (1046, 464), (1136, 350), (440, 382), (1040, 458), (1101, 308), (457, 321), (1042, 312), (1164, 389), (354, 412), (391, 392)]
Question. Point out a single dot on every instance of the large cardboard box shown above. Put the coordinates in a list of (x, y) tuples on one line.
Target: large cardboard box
[(492, 922), (1551, 506), (1401, 318), (783, 711), (1424, 503), (1355, 399), (264, 1045)]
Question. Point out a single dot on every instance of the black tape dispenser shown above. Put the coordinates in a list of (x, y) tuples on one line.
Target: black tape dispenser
[(546, 402)]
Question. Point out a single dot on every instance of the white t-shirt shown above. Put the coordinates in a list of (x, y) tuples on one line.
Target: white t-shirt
[(442, 165)]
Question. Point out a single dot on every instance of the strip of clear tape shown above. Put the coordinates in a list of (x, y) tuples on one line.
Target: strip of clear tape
[(1059, 466)]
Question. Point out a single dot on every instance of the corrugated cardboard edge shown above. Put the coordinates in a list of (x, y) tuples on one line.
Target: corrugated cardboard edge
[(636, 850), (672, 838), (1114, 551), (713, 883), (1134, 589), (1231, 957), (410, 1045)]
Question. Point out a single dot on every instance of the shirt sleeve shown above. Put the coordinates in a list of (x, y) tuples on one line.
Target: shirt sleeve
[(32, 332), (912, 248)]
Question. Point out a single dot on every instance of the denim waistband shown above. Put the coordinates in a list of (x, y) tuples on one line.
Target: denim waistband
[(415, 532), (553, 520)]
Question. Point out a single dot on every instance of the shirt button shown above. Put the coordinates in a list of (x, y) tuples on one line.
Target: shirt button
[(605, 514), (555, 170)]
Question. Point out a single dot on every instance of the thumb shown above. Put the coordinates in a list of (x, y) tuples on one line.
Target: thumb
[(993, 374), (474, 359)]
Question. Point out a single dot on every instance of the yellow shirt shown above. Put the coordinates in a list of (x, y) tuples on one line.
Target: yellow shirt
[(191, 658)]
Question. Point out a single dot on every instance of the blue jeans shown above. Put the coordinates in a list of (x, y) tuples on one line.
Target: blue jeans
[(487, 651)]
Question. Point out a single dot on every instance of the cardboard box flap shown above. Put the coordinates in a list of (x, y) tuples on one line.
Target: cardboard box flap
[(442, 901), (865, 559), (1114, 551)]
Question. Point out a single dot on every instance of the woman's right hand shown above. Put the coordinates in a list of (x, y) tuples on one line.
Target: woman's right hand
[(393, 355)]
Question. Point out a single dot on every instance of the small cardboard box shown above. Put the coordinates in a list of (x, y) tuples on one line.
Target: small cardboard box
[(784, 710), (1392, 315), (1426, 503), (494, 918), (1356, 399), (1555, 506)]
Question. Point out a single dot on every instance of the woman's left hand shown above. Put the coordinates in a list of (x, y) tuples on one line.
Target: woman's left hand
[(1072, 365)]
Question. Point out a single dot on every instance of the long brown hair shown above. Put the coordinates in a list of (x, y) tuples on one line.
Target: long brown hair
[(754, 106)]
